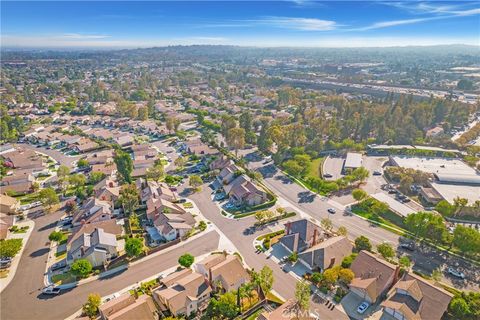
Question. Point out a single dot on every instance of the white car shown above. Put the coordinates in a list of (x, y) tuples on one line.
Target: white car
[(456, 273), (51, 290), (363, 307)]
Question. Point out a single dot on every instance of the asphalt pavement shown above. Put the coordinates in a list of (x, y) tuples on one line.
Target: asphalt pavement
[(426, 259), (22, 299)]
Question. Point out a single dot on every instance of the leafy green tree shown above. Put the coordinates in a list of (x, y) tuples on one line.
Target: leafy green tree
[(77, 180), (293, 258), (10, 247), (195, 182), (48, 197), (345, 276), (405, 262), (466, 239), (347, 261), (82, 163), (62, 173), (459, 308), (342, 231), (225, 307), (292, 167), (265, 279), (186, 260), (124, 165), (445, 208), (326, 224), (302, 296), (55, 236), (359, 194), (236, 139), (317, 278), (129, 198), (96, 177), (330, 276), (386, 250), (428, 225), (133, 247), (90, 308), (81, 268), (363, 243), (156, 173)]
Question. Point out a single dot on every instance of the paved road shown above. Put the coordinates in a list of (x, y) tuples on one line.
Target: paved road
[(22, 299), (235, 230), (55, 154), (426, 259)]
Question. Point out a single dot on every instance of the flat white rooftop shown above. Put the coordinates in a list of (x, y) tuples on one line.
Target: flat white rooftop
[(394, 205), (452, 191), (353, 160), (434, 165)]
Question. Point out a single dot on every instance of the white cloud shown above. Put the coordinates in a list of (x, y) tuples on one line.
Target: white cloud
[(305, 24), (78, 36), (447, 12)]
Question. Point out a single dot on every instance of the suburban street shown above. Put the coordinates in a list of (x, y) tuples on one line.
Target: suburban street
[(235, 230), (22, 299), (425, 258)]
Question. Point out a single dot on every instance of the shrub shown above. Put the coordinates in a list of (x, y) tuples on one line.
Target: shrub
[(55, 236), (81, 268), (10, 247), (186, 260)]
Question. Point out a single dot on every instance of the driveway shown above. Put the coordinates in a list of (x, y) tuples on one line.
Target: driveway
[(333, 166)]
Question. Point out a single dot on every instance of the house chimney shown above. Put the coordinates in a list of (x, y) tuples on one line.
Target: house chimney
[(396, 275), (314, 237), (287, 227)]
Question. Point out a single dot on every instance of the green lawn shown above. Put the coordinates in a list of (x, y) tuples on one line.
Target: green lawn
[(28, 198), (60, 255), (271, 297), (315, 169), (63, 278)]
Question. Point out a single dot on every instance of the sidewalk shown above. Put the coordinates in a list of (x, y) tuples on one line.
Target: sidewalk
[(16, 260)]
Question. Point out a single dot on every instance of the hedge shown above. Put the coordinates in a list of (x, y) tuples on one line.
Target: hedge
[(277, 218)]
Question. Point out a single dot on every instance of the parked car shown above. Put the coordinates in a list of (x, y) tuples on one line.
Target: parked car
[(173, 189), (377, 173), (59, 265), (456, 273), (5, 262), (51, 290), (331, 210), (363, 307), (410, 246)]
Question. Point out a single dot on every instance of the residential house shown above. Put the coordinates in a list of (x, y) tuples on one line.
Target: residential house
[(152, 189), (242, 191), (8, 205), (415, 298), (220, 163), (228, 174), (126, 307), (109, 226), (98, 247), (373, 276), (93, 210), (123, 140), (24, 159), (182, 293), (6, 222), (223, 270), (20, 182), (315, 250)]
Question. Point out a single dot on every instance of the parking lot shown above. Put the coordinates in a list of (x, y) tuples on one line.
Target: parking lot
[(350, 304)]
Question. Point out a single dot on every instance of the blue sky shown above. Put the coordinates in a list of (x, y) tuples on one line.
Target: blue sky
[(250, 23)]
